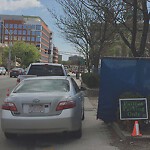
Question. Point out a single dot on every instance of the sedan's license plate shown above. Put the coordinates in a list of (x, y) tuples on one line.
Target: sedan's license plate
[(36, 108)]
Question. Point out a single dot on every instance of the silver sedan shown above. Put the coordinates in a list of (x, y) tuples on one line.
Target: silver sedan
[(43, 105)]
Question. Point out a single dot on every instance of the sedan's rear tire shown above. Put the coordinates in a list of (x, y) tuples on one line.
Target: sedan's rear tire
[(77, 134), (83, 117), (10, 135)]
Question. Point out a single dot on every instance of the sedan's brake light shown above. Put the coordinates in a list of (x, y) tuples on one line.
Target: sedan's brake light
[(9, 106), (65, 105)]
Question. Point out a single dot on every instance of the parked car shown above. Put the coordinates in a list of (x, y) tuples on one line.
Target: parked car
[(2, 71), (43, 69), (43, 105), (15, 72)]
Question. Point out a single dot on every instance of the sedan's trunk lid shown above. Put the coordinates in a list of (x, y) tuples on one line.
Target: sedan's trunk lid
[(37, 104)]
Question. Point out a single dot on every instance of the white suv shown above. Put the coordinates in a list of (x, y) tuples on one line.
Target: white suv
[(43, 69), (2, 71), (46, 69)]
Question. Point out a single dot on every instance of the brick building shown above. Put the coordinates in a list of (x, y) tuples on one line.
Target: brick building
[(30, 29), (55, 54)]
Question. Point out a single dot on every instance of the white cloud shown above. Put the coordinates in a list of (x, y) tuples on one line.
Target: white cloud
[(18, 4)]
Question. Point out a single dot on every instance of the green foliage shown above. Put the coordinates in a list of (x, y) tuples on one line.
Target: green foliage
[(22, 52), (90, 79), (25, 53)]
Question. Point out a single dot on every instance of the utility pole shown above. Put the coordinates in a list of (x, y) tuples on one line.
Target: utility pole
[(10, 47), (9, 58)]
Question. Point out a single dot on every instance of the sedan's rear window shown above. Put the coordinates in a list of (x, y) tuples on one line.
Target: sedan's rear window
[(43, 85), (46, 70)]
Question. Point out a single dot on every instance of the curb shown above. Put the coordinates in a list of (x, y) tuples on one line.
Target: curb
[(125, 135), (90, 92), (118, 130)]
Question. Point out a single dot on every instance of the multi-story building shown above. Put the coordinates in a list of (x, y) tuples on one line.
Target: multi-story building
[(30, 29), (55, 54)]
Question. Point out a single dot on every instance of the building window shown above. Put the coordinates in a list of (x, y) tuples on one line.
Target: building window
[(38, 45), (6, 25), (15, 32), (38, 39), (6, 31), (28, 32), (24, 32), (33, 27), (38, 27), (32, 38), (6, 37), (23, 38), (28, 38), (20, 26), (33, 32), (11, 32), (24, 26), (15, 37), (19, 32), (10, 37), (15, 26), (28, 26), (19, 38), (11, 25), (38, 33)]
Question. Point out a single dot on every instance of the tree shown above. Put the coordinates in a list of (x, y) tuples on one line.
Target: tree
[(82, 27), (1, 55), (131, 19), (24, 53)]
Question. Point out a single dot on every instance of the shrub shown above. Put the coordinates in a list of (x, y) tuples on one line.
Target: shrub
[(90, 79)]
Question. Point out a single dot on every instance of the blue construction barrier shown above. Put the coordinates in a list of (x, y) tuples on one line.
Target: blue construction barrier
[(119, 75)]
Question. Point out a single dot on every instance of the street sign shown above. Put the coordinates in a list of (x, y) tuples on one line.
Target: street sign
[(133, 109)]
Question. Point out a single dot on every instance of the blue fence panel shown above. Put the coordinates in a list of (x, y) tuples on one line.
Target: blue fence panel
[(119, 75)]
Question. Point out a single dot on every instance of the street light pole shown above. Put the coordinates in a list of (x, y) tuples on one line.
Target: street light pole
[(9, 59), (10, 46)]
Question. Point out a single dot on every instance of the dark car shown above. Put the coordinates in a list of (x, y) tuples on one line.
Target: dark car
[(16, 71)]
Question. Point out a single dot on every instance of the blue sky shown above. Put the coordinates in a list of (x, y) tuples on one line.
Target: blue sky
[(39, 8)]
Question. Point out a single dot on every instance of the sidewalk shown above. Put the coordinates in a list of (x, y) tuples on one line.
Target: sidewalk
[(91, 102)]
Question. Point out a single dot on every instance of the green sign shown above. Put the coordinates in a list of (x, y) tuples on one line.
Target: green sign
[(133, 109)]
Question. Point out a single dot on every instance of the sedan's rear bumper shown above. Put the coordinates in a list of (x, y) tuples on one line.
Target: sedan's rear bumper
[(32, 125)]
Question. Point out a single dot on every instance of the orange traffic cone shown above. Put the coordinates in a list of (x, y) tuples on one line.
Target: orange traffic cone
[(136, 131)]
